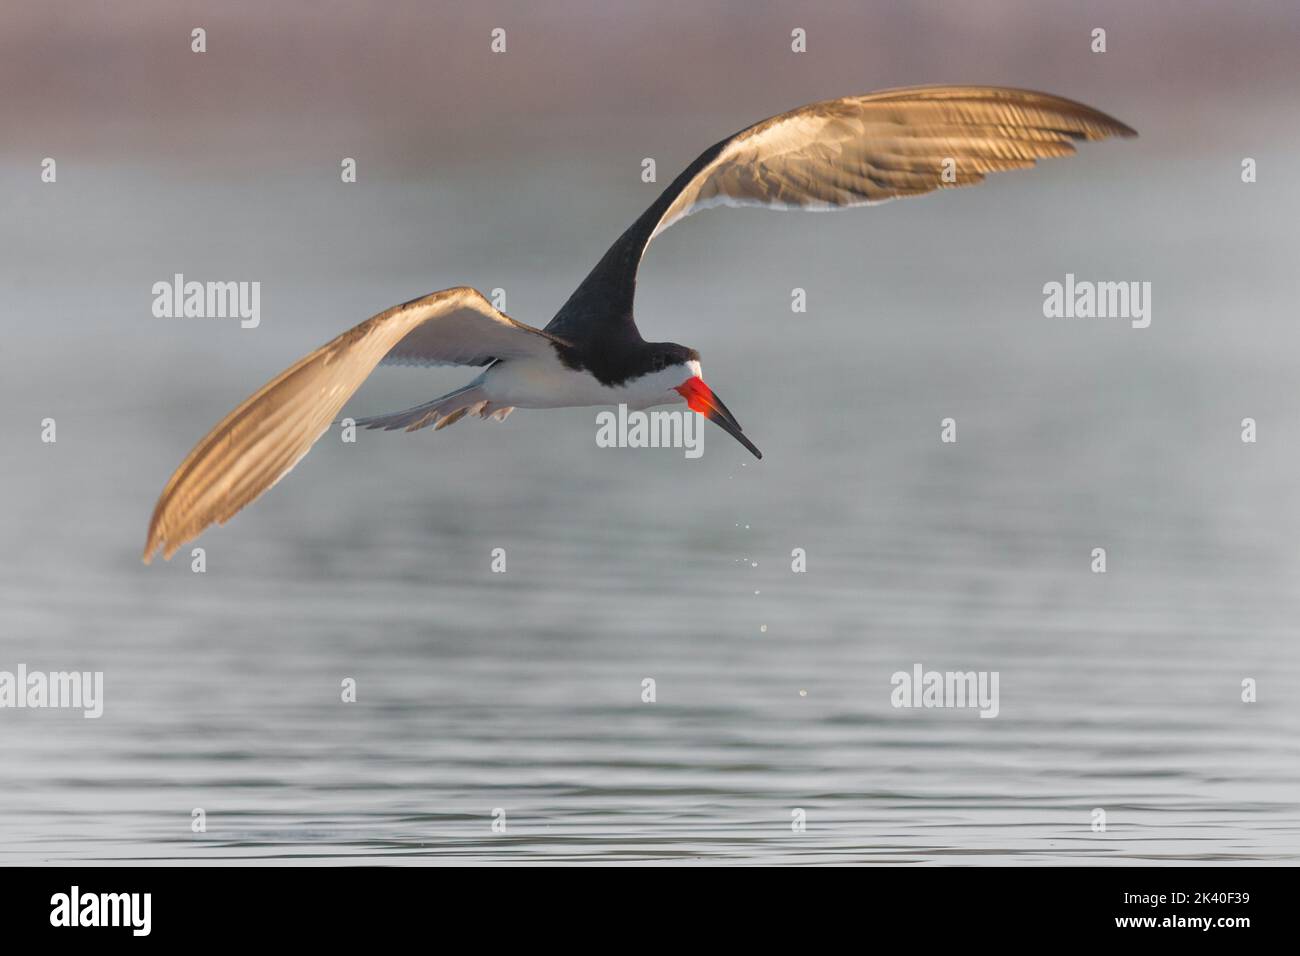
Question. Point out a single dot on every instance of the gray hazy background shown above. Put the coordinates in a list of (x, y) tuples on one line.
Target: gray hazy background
[(522, 691)]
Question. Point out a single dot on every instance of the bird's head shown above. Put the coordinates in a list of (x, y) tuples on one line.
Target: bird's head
[(690, 388)]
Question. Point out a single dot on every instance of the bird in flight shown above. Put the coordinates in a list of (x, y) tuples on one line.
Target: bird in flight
[(851, 151)]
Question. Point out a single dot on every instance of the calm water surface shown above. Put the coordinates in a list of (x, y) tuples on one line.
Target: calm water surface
[(522, 691)]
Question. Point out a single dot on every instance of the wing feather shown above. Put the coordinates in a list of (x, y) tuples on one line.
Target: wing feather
[(259, 442), (834, 154)]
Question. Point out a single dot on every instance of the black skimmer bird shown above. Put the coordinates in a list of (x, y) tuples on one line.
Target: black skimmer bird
[(834, 154)]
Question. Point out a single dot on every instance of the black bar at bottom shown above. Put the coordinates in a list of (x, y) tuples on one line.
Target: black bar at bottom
[(330, 904)]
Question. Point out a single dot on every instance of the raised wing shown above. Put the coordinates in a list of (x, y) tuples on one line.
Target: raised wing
[(260, 441), (840, 153)]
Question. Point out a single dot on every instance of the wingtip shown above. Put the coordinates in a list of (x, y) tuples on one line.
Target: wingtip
[(165, 548), (153, 538), (1105, 127), (1121, 129), (1112, 126), (157, 543)]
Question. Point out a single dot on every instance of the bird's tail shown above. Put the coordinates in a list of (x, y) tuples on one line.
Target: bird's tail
[(441, 412)]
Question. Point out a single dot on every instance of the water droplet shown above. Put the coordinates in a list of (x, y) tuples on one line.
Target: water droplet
[(802, 692), (762, 628)]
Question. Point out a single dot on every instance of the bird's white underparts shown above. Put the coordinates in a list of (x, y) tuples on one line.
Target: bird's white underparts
[(852, 151)]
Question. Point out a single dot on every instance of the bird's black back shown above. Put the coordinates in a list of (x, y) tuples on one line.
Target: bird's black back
[(598, 315)]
